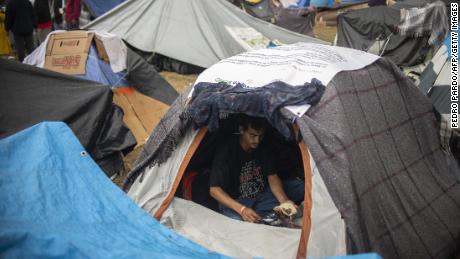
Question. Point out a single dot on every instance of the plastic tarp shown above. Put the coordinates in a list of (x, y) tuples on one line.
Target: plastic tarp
[(100, 7), (373, 28), (57, 203), (30, 95), (99, 71), (199, 32)]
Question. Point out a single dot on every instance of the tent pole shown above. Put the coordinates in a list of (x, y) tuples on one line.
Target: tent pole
[(188, 156), (306, 221)]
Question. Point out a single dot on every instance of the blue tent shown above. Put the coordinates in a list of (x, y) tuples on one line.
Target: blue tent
[(99, 71), (57, 203)]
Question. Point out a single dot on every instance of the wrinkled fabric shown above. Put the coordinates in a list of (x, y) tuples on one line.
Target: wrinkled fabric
[(57, 203), (429, 20), (211, 101)]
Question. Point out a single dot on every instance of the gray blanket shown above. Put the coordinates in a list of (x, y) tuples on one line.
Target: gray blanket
[(375, 141)]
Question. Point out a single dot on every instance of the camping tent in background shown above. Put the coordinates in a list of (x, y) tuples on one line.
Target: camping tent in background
[(199, 32), (30, 95), (109, 61), (435, 82), (300, 20), (377, 30), (57, 203), (258, 8), (100, 7), (375, 173)]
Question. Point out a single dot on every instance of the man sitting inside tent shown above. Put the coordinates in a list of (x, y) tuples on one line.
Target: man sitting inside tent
[(241, 170)]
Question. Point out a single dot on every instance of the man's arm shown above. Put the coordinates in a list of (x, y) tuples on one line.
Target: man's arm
[(222, 197), (277, 188)]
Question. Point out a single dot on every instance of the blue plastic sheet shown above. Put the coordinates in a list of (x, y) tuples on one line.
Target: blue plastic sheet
[(99, 71), (100, 7), (57, 203)]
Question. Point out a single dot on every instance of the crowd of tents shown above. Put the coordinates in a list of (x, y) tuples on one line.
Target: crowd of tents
[(379, 159)]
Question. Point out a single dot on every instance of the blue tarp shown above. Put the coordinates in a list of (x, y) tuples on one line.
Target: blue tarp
[(100, 7), (57, 203), (99, 71)]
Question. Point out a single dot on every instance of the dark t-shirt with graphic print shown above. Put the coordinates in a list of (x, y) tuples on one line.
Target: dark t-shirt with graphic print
[(239, 173)]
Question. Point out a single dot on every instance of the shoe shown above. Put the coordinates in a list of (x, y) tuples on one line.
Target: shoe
[(271, 219)]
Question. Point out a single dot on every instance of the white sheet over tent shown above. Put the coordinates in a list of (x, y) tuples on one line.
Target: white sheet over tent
[(199, 32), (235, 238)]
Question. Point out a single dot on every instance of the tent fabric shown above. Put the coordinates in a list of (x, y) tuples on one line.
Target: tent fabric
[(56, 202), (127, 69), (199, 32), (375, 122), (30, 95), (100, 7), (435, 82), (261, 10), (147, 80), (361, 29), (300, 20), (99, 71), (429, 20), (237, 239), (374, 139)]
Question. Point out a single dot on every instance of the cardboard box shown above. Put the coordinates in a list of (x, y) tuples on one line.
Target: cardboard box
[(67, 52)]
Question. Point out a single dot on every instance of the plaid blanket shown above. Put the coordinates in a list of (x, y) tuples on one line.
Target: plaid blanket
[(374, 138), (430, 20)]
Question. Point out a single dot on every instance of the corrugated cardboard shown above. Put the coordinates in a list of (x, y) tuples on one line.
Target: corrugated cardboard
[(141, 113), (67, 52), (101, 50)]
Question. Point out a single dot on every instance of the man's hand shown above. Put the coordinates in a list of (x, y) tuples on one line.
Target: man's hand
[(249, 215), (288, 208)]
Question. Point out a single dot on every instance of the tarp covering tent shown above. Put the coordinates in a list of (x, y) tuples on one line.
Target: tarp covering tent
[(100, 7), (199, 32), (376, 177), (375, 29), (57, 203), (119, 65), (30, 95), (149, 95), (300, 20)]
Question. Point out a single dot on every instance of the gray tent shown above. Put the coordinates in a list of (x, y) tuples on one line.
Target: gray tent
[(435, 82), (199, 32), (375, 174)]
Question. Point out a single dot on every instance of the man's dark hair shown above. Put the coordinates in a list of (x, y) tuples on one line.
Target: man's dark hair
[(252, 122)]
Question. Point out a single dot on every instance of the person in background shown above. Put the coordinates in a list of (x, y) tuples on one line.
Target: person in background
[(44, 21), (5, 47), (56, 14), (20, 19), (72, 14)]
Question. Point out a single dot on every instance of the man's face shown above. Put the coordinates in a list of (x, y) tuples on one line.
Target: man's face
[(250, 138)]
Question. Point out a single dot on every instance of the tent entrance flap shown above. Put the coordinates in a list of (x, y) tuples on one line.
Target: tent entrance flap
[(200, 152), (188, 156)]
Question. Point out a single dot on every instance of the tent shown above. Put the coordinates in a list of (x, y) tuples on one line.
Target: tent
[(379, 30), (198, 32), (57, 203), (98, 7), (376, 178), (30, 95), (300, 20), (110, 62), (435, 82)]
